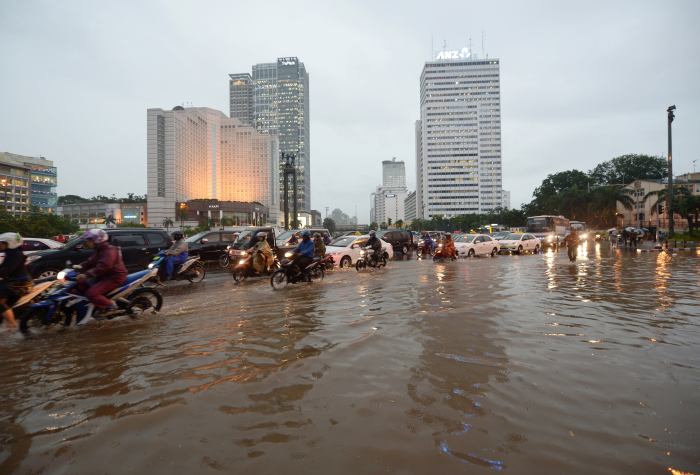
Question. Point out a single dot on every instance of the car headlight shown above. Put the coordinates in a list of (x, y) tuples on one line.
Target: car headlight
[(31, 259), (244, 253), (288, 254), (549, 238), (61, 275), (584, 236)]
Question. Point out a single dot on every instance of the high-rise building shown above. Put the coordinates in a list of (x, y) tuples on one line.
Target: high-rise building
[(458, 136), (389, 197), (280, 106), (27, 182), (393, 173), (409, 206), (241, 97), (505, 201), (200, 153)]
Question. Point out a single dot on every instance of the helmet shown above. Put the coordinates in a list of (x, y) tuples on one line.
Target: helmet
[(262, 236), (177, 235), (95, 235), (305, 233), (13, 240), (448, 234), (372, 232), (317, 235)]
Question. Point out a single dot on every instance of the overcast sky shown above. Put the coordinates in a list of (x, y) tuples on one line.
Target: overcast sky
[(581, 82)]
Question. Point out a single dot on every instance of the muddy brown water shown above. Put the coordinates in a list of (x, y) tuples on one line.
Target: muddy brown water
[(518, 364)]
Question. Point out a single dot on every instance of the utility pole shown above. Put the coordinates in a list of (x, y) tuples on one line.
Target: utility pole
[(669, 197), (289, 169)]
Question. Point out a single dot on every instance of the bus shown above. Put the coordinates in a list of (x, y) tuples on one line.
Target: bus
[(549, 228)]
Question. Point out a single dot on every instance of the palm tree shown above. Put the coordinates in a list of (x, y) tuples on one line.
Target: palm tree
[(683, 201), (110, 221), (167, 222), (603, 200), (399, 223)]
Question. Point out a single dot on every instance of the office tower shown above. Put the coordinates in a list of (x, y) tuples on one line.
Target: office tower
[(280, 106), (458, 136), (241, 97)]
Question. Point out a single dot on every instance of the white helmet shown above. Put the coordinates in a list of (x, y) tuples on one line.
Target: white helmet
[(95, 235), (13, 240)]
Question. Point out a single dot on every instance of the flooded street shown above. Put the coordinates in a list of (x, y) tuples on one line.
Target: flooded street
[(520, 364)]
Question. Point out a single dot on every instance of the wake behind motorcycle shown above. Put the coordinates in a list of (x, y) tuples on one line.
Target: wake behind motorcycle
[(244, 267), (289, 273), (59, 302), (368, 259)]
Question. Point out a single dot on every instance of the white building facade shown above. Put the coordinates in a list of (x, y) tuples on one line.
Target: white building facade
[(458, 136), (505, 200), (200, 153)]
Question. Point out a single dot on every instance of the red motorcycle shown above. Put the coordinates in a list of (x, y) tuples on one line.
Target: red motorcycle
[(328, 262)]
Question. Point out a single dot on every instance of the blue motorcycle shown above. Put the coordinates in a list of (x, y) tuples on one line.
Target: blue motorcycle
[(59, 303)]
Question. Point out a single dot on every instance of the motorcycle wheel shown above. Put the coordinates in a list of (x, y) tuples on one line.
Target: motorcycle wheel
[(382, 262), (238, 275), (197, 272), (360, 264), (224, 261), (316, 274), (144, 300), (279, 279)]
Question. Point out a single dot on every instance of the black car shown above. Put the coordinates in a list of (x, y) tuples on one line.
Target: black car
[(209, 245), (138, 246), (400, 239)]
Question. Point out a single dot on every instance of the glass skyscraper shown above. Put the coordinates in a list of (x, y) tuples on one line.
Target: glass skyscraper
[(280, 105)]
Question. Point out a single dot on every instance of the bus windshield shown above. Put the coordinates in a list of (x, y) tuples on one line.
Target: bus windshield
[(548, 224)]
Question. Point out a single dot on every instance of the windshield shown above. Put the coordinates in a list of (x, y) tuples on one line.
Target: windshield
[(466, 238), (244, 240), (343, 241), (196, 237), (539, 225), (500, 235), (514, 236), (286, 235), (72, 243)]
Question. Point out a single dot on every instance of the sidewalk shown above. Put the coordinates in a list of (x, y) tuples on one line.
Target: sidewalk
[(673, 246)]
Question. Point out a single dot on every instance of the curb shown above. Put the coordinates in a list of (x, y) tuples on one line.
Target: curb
[(673, 249)]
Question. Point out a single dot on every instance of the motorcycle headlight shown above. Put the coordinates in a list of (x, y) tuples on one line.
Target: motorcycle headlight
[(61, 275), (362, 253), (151, 265), (549, 238), (288, 254), (244, 253), (31, 259), (242, 261), (228, 247)]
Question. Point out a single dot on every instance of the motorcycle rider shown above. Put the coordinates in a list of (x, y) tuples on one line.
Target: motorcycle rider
[(319, 246), (177, 254), (448, 247), (375, 244), (15, 280), (263, 257), (304, 251), (428, 243), (103, 272)]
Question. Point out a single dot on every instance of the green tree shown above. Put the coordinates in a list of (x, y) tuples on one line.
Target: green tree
[(399, 223), (167, 223), (627, 168), (373, 225), (110, 221), (685, 203), (329, 224), (602, 204), (388, 222)]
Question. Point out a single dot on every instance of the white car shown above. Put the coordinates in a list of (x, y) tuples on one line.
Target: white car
[(346, 249), (520, 242), (32, 245), (470, 245)]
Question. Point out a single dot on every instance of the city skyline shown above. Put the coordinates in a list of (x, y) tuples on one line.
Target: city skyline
[(577, 88)]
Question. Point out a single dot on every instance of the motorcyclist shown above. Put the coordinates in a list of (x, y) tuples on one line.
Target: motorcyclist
[(304, 251), (15, 280), (263, 257), (102, 272), (375, 244), (448, 246), (428, 243), (319, 246), (177, 254)]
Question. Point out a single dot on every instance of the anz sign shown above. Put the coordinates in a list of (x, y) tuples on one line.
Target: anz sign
[(464, 53)]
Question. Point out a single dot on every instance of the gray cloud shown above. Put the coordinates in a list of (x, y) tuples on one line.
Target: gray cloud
[(581, 83)]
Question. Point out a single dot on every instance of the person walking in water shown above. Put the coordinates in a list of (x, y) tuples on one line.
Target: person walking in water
[(572, 245)]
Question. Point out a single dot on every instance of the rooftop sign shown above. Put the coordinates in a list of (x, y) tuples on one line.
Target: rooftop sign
[(463, 53)]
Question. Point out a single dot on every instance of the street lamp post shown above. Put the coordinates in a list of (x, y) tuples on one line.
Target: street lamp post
[(669, 197)]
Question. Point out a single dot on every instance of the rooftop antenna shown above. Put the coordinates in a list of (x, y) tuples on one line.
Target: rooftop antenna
[(483, 44)]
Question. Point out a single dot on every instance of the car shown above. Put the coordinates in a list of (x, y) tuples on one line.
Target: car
[(138, 246), (500, 235), (32, 245), (520, 242), (346, 249), (401, 240), (290, 239), (470, 245), (209, 245)]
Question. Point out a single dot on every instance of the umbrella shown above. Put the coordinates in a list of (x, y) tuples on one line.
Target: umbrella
[(630, 229), (611, 230)]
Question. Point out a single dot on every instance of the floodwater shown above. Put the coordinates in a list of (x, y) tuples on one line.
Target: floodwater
[(519, 364)]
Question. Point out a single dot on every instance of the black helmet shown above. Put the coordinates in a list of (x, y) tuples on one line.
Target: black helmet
[(177, 235), (372, 232)]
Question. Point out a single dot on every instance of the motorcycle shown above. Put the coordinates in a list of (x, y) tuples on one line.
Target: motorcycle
[(59, 303), (328, 262), (367, 258), (440, 255), (289, 274), (192, 269), (244, 268), (225, 259), (425, 252)]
